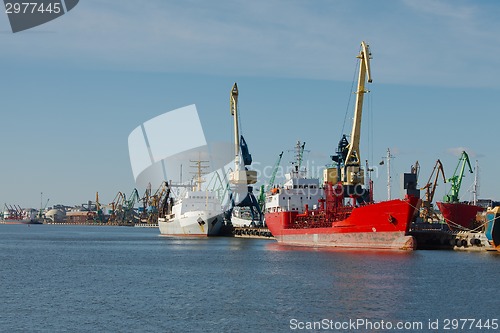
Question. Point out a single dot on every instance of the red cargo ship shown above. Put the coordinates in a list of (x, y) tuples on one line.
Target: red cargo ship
[(382, 225), (459, 216), (342, 215)]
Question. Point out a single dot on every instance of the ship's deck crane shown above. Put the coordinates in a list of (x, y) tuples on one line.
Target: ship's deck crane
[(456, 179), (427, 213)]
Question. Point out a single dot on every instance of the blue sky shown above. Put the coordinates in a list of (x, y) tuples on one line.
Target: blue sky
[(74, 88)]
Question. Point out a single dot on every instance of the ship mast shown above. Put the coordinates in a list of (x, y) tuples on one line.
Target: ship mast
[(389, 156), (199, 173), (475, 190)]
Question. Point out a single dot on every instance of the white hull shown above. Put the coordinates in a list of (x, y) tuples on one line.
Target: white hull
[(194, 223), (240, 222)]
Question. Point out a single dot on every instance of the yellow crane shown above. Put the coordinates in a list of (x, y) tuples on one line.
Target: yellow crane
[(352, 174), (347, 168)]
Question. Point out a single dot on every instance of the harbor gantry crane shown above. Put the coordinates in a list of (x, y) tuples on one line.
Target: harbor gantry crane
[(456, 179), (427, 213)]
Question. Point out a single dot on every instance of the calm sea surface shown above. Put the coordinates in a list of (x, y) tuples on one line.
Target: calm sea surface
[(122, 279)]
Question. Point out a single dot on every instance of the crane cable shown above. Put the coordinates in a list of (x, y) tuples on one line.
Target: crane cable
[(350, 97)]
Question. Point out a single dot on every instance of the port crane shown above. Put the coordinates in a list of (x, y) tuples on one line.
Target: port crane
[(241, 175), (145, 202), (241, 178), (42, 207), (427, 213), (348, 158), (270, 184), (123, 209), (456, 179), (157, 202)]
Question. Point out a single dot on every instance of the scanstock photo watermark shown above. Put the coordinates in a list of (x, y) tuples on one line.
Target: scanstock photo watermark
[(25, 15), (368, 325)]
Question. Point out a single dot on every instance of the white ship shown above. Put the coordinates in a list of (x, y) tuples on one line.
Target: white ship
[(297, 192), (196, 213)]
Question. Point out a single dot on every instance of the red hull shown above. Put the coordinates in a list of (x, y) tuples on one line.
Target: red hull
[(382, 225), (459, 216)]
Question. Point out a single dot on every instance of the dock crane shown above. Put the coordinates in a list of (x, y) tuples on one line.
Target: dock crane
[(116, 206), (241, 175), (142, 210), (427, 213), (456, 179), (275, 171), (42, 207), (122, 209), (348, 158), (242, 178)]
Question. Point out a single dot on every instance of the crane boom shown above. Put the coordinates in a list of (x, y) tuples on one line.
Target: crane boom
[(233, 102), (275, 170), (353, 156), (241, 175), (265, 189)]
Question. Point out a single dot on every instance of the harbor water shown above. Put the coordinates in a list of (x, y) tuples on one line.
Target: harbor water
[(123, 279)]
